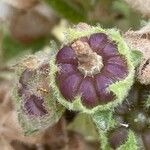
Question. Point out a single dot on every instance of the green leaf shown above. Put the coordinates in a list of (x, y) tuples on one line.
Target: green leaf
[(121, 7), (103, 120), (35, 123), (67, 10), (12, 48), (136, 57), (131, 142), (84, 125)]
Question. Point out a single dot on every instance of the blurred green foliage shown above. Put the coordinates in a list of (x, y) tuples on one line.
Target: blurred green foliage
[(108, 13), (11, 48), (68, 10)]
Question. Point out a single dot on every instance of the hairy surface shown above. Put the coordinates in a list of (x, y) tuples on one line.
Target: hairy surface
[(91, 86), (134, 115)]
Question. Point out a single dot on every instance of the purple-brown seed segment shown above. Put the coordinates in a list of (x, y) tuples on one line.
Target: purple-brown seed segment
[(34, 106), (118, 60), (118, 137), (88, 92), (26, 76), (66, 70), (110, 50), (116, 71), (146, 139), (102, 82), (66, 55), (70, 86), (98, 41), (87, 67)]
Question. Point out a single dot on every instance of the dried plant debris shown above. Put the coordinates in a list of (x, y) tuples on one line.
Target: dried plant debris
[(141, 6), (75, 142), (140, 40), (33, 24), (22, 4)]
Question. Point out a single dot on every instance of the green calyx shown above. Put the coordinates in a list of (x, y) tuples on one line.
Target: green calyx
[(131, 142), (120, 88), (32, 123), (102, 115)]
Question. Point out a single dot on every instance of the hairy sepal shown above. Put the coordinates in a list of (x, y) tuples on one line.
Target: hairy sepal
[(33, 125), (136, 57), (131, 142), (83, 124), (36, 124)]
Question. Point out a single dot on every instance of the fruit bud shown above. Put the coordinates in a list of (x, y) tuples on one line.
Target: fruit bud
[(22, 4), (33, 24), (36, 107), (93, 70)]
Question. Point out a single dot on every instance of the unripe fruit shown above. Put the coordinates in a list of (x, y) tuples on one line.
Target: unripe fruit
[(90, 73), (29, 26), (91, 69), (36, 107), (7, 12)]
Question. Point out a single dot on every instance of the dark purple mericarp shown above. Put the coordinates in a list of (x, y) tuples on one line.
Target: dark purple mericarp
[(34, 105), (93, 89)]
